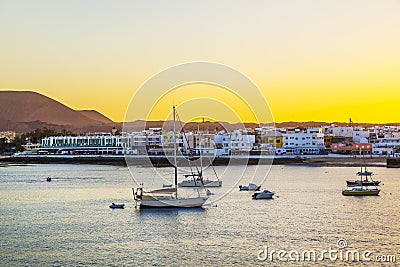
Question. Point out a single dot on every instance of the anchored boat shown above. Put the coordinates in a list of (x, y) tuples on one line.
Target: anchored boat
[(168, 197), (250, 187), (266, 194), (197, 181), (360, 191), (361, 187), (364, 180), (117, 206)]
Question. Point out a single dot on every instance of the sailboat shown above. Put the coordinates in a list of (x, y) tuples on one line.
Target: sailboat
[(361, 187), (360, 191), (196, 179), (365, 179), (168, 197)]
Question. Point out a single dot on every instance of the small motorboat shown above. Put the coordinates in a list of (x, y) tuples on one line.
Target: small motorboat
[(117, 206), (167, 185), (266, 194), (250, 187)]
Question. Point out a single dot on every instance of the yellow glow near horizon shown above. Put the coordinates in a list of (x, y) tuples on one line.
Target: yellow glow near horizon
[(201, 100)]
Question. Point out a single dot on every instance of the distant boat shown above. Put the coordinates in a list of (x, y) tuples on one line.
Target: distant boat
[(117, 206), (363, 183), (361, 186), (168, 197), (250, 187), (266, 194), (198, 182), (209, 193), (365, 179), (48, 179), (197, 179), (167, 185)]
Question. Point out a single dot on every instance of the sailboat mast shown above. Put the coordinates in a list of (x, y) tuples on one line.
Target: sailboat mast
[(361, 165), (175, 167), (200, 150)]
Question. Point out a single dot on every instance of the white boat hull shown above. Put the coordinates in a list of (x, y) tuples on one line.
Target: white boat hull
[(198, 183), (250, 187), (263, 195), (171, 202), (360, 192)]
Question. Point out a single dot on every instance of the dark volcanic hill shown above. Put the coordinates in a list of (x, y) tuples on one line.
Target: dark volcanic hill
[(23, 111)]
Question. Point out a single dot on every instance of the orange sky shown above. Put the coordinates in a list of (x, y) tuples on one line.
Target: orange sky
[(312, 60)]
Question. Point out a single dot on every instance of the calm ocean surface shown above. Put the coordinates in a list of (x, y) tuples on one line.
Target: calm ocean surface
[(67, 222)]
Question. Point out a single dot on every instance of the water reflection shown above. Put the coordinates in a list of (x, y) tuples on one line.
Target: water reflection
[(68, 222), (167, 212)]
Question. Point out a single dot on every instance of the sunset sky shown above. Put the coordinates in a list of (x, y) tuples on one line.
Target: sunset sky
[(312, 60)]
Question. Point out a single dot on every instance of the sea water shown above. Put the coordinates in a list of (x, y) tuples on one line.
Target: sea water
[(68, 222)]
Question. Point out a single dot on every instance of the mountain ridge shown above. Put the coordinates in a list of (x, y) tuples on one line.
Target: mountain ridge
[(23, 111)]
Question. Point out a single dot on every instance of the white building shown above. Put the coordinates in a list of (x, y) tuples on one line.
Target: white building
[(360, 135), (86, 144), (137, 139), (241, 141), (389, 140), (199, 143), (222, 142), (341, 131), (388, 151), (310, 141)]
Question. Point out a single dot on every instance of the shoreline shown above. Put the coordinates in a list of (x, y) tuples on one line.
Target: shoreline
[(161, 161)]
